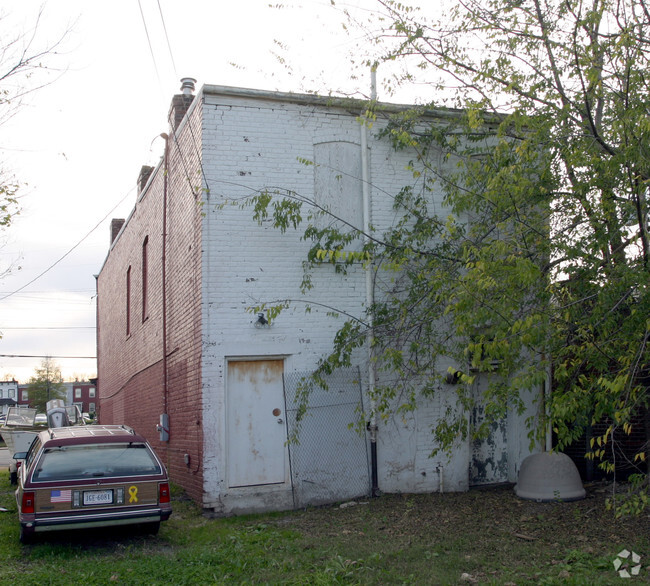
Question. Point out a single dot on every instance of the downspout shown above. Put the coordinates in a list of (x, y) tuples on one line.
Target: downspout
[(164, 423), (97, 360), (370, 297), (548, 429)]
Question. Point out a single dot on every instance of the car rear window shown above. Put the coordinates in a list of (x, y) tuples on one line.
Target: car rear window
[(95, 461)]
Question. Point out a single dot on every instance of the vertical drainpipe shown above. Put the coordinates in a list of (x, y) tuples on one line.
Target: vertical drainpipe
[(98, 389), (370, 298), (546, 390), (165, 416)]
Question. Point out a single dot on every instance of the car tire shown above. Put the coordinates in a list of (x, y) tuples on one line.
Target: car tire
[(150, 528), (25, 536)]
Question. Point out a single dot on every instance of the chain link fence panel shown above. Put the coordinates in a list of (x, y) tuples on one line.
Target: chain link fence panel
[(328, 454)]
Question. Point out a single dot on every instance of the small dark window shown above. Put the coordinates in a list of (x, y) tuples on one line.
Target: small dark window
[(128, 301), (145, 280)]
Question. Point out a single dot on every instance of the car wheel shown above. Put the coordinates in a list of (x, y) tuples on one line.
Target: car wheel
[(150, 528), (25, 536)]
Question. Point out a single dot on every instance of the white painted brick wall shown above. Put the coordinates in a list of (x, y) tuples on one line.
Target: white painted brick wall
[(253, 144)]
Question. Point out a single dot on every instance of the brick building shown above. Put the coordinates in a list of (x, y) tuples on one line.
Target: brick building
[(83, 394), (80, 393), (213, 386), (8, 395)]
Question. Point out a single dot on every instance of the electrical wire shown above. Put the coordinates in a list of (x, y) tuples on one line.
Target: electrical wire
[(49, 328), (47, 270), (194, 141), (171, 55), (197, 152), (6, 296), (146, 30), (48, 356), (16, 291)]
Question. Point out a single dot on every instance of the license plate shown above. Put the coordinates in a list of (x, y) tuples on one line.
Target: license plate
[(98, 497)]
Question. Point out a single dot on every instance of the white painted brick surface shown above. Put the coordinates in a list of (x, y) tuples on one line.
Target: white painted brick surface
[(252, 145), (240, 145)]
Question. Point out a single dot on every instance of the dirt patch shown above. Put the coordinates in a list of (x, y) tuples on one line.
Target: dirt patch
[(484, 524), (490, 509)]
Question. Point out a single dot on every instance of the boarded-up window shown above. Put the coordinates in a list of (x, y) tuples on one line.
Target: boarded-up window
[(338, 186)]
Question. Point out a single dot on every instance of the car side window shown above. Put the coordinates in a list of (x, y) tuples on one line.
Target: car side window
[(95, 461), (33, 450)]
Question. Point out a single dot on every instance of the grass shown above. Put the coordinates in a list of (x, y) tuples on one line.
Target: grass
[(483, 536)]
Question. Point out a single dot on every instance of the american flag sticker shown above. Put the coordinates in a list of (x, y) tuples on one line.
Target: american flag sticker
[(60, 496)]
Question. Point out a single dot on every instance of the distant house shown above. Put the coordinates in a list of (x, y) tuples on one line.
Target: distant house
[(83, 394), (8, 395), (214, 387), (23, 394), (80, 393), (5, 404)]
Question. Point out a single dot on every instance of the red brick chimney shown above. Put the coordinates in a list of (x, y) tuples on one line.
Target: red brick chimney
[(145, 173), (181, 102), (116, 226)]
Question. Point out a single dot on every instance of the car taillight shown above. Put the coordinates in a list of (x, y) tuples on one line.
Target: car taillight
[(28, 502), (163, 493)]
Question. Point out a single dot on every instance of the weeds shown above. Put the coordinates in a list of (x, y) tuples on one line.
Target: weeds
[(486, 537)]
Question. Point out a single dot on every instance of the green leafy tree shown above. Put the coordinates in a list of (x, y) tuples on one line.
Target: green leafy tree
[(539, 260), (571, 78), (45, 385)]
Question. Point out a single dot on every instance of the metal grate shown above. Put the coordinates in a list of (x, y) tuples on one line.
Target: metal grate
[(328, 454)]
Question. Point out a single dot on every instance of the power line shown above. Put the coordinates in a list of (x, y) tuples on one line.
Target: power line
[(34, 291), (69, 251), (171, 55), (196, 150), (69, 304), (47, 356), (146, 30), (49, 328)]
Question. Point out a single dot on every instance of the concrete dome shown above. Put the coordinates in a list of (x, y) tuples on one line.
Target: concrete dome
[(549, 476)]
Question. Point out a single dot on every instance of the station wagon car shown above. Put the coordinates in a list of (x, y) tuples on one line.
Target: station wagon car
[(90, 476)]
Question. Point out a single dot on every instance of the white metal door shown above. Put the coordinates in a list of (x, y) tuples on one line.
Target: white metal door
[(257, 451)]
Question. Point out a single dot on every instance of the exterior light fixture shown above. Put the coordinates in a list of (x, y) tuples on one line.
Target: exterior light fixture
[(261, 321)]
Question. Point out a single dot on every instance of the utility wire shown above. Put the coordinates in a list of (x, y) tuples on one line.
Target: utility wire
[(47, 270), (196, 150), (191, 130), (48, 356), (146, 30), (171, 55), (122, 200), (50, 328)]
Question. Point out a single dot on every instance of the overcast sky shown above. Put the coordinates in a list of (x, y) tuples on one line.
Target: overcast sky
[(78, 144)]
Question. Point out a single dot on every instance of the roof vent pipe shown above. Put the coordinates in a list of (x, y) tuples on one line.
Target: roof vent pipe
[(187, 85)]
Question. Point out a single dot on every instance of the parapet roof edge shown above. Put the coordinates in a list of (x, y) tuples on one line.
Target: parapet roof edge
[(319, 100)]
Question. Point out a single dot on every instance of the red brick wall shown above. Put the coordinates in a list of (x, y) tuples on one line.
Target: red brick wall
[(131, 368)]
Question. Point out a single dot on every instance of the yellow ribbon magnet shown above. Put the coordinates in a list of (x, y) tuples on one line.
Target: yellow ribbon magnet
[(133, 493)]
